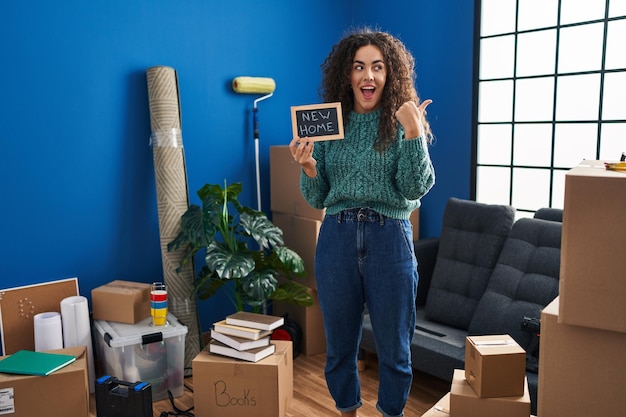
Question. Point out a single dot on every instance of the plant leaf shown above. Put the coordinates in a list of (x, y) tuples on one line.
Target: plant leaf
[(228, 264), (291, 261), (258, 286), (207, 284), (261, 229), (293, 293)]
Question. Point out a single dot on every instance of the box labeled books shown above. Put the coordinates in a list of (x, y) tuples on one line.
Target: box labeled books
[(229, 387)]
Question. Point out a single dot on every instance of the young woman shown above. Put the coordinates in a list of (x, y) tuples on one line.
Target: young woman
[(369, 182)]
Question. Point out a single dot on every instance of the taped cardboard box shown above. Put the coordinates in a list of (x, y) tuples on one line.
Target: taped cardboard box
[(495, 366), (64, 393), (465, 403), (121, 301), (581, 369), (592, 287), (228, 387)]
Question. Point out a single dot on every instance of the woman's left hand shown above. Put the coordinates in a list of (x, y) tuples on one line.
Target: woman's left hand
[(410, 116)]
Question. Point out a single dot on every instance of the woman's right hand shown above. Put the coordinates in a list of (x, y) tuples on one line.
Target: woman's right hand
[(302, 152)]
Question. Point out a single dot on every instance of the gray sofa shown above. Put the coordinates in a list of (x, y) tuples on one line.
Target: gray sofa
[(485, 274)]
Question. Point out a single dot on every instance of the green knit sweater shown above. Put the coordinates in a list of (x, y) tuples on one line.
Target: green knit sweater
[(351, 173)]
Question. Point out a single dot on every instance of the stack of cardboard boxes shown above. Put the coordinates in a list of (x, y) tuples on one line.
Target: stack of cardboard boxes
[(582, 353), (300, 224), (127, 344), (582, 357), (493, 383)]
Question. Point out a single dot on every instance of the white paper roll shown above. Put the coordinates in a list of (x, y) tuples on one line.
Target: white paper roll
[(48, 331), (77, 330)]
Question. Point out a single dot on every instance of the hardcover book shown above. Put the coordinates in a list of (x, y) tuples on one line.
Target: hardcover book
[(240, 331), (28, 362), (252, 355), (239, 343), (255, 320)]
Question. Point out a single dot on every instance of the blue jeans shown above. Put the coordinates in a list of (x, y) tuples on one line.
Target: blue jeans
[(364, 257)]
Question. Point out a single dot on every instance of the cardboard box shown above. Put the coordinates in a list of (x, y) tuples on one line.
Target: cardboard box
[(465, 403), (300, 234), (143, 352), (285, 186), (592, 285), (228, 387), (18, 307), (495, 366), (121, 301), (310, 321), (440, 409), (64, 393), (581, 369)]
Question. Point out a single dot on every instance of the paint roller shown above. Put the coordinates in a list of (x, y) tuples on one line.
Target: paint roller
[(255, 85)]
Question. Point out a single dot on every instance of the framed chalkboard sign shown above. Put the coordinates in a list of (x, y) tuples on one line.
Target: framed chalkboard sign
[(317, 122)]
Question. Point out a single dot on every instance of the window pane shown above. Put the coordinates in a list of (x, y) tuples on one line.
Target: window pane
[(613, 141), (558, 189), (494, 144), (492, 185), (577, 97), (614, 98), (531, 188), (536, 53), (533, 99), (617, 8), (615, 51), (580, 48), (495, 101), (497, 16), (496, 57), (533, 144), (535, 14), (573, 11), (574, 142)]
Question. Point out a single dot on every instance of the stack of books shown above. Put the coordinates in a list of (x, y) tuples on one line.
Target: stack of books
[(245, 336)]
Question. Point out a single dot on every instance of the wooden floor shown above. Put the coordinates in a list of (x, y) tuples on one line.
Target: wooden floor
[(311, 397)]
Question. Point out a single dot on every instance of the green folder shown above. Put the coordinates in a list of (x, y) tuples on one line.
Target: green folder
[(27, 362)]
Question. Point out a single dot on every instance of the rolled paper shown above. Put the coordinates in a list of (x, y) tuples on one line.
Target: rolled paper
[(48, 331), (254, 85), (77, 330)]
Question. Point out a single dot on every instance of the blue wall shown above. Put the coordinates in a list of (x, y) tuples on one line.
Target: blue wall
[(76, 170)]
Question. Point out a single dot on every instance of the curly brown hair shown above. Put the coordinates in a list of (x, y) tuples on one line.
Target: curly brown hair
[(399, 87)]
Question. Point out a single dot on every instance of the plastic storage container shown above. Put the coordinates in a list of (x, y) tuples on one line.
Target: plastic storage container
[(143, 352)]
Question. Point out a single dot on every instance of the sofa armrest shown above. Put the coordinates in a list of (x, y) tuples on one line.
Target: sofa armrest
[(426, 253)]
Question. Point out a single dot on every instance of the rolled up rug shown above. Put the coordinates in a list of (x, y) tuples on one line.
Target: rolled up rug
[(172, 199)]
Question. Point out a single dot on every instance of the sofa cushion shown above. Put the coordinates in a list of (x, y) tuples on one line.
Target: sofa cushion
[(524, 281), (471, 239)]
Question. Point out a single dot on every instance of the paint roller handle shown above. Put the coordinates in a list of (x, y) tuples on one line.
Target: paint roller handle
[(255, 120)]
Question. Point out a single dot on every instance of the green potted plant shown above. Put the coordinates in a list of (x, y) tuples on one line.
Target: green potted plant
[(243, 247)]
